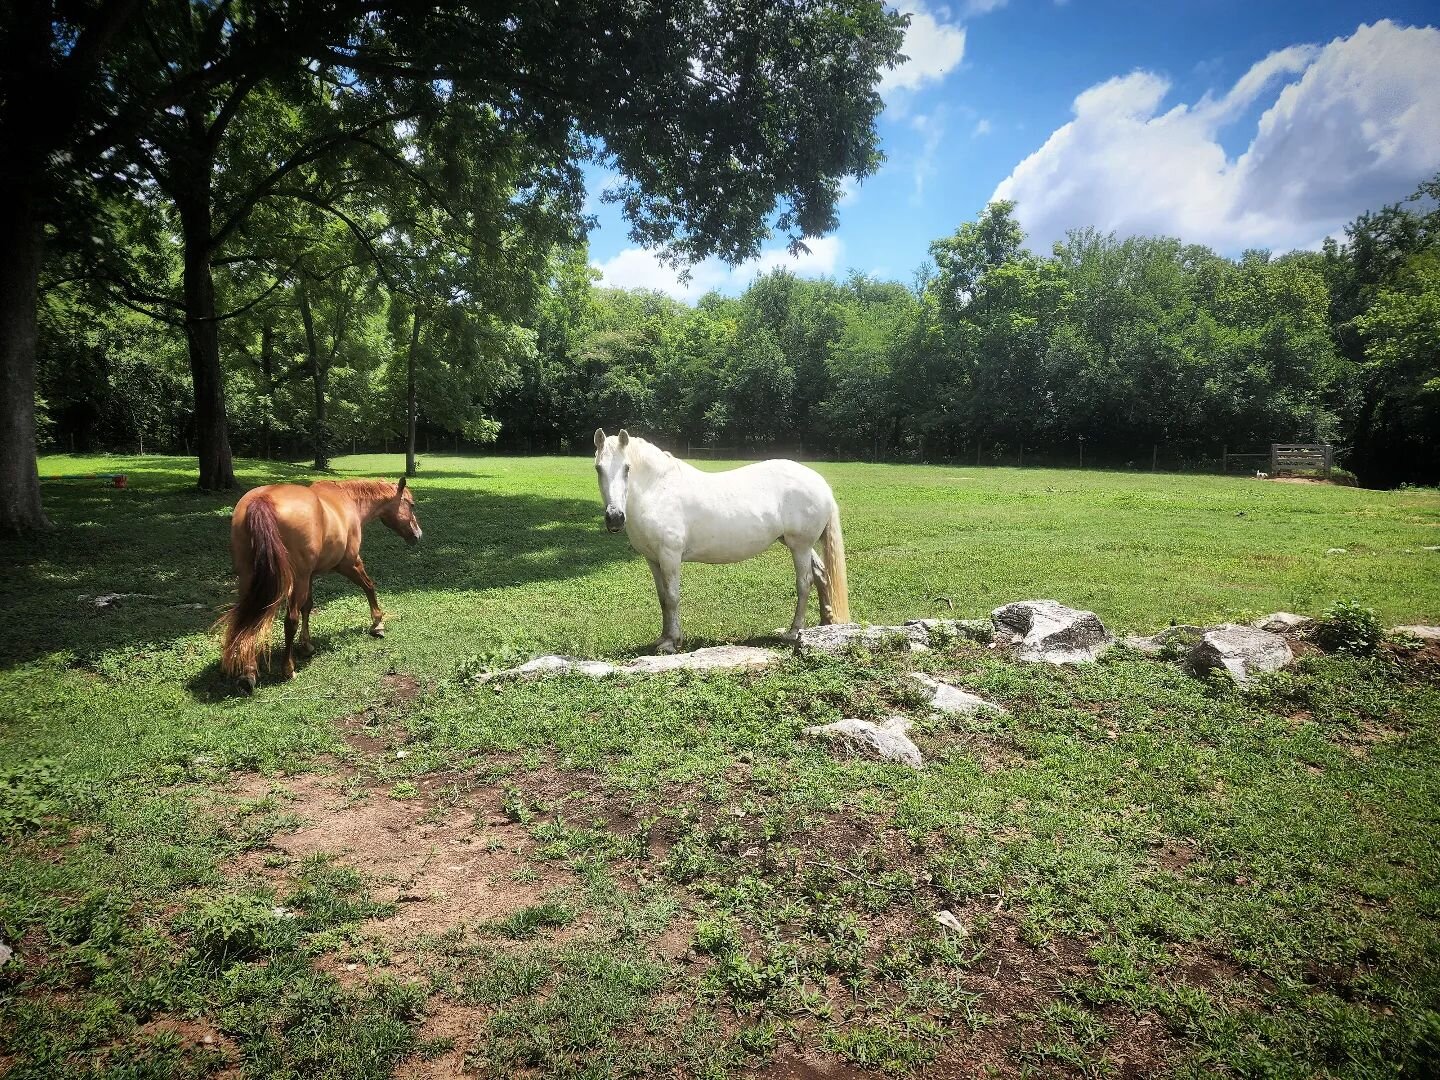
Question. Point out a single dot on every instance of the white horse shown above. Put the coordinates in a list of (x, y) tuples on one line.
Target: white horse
[(672, 513)]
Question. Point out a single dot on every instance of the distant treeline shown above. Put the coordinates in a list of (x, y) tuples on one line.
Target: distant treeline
[(990, 352)]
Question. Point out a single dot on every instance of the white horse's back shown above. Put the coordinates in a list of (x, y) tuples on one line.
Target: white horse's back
[(737, 514)]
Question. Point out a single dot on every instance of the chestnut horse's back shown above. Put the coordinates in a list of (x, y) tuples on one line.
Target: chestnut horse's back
[(265, 579)]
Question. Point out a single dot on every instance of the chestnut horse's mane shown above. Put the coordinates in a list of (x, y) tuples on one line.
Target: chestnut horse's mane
[(365, 490)]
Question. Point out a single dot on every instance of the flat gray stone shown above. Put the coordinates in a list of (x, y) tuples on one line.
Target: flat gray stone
[(550, 665), (1284, 622), (714, 658), (951, 700), (1240, 651), (1424, 633), (837, 637), (888, 741), (5, 953), (1047, 631)]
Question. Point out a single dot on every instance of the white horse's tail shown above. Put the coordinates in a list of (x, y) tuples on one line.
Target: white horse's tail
[(835, 567)]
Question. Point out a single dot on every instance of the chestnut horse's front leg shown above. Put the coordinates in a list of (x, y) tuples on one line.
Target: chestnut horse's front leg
[(356, 573)]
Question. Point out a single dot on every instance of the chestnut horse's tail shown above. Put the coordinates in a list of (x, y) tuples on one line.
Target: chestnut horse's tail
[(247, 630)]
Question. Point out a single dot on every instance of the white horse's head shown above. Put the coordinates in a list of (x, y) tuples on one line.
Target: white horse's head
[(613, 472)]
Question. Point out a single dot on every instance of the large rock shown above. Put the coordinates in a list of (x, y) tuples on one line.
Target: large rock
[(1284, 622), (837, 637), (1048, 631), (887, 741), (951, 700), (1424, 633), (714, 658), (1240, 651)]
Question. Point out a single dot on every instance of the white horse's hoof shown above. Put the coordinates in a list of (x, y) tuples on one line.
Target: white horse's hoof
[(664, 648), (790, 635)]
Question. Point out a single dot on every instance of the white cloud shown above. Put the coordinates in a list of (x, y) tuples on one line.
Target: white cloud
[(934, 47), (982, 127), (1355, 125), (637, 268), (983, 7), (931, 127), (849, 191)]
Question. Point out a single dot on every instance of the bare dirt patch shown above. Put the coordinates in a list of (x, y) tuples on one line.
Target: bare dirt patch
[(439, 868), (446, 1022), (1173, 855), (196, 1036), (401, 687), (811, 1067)]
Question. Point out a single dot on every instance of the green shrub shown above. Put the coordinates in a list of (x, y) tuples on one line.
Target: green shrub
[(1348, 626), (235, 926)]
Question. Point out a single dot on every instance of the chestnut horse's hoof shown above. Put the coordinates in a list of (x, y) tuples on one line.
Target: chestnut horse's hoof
[(377, 631), (246, 684)]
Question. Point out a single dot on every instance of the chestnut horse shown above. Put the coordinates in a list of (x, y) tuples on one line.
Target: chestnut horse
[(281, 536)]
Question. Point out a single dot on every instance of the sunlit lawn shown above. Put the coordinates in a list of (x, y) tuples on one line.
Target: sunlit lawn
[(1155, 873)]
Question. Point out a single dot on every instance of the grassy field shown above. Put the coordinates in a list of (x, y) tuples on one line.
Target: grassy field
[(381, 868)]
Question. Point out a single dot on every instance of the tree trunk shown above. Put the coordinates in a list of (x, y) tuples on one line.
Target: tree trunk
[(20, 240), (202, 338), (267, 368), (410, 400), (317, 371)]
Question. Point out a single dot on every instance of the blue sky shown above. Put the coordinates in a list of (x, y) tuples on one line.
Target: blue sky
[(1233, 124)]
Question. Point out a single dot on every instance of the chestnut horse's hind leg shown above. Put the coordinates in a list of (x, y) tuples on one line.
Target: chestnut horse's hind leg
[(299, 601), (306, 647), (356, 573)]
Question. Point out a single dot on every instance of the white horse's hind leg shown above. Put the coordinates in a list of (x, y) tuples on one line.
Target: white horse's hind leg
[(804, 574), (667, 586), (822, 586)]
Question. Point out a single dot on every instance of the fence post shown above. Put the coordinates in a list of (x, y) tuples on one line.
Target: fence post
[(1154, 455), (1022, 455), (1225, 459), (1082, 451)]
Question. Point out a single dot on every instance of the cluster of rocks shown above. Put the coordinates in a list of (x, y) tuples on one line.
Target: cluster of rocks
[(889, 740), (1036, 631)]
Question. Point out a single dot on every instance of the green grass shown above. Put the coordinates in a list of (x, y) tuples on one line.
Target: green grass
[(1154, 872)]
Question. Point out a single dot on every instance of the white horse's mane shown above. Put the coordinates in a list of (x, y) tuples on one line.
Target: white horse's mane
[(645, 454)]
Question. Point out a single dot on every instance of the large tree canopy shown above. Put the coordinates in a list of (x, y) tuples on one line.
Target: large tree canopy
[(725, 122)]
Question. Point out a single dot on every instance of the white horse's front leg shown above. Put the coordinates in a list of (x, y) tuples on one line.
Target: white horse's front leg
[(666, 572), (804, 574)]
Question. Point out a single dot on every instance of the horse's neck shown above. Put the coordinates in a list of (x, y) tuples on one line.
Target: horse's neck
[(648, 463), (368, 502)]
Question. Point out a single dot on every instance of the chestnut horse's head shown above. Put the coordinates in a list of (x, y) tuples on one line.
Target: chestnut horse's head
[(399, 517)]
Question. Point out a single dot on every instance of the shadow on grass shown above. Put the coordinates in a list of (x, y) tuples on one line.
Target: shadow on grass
[(168, 543)]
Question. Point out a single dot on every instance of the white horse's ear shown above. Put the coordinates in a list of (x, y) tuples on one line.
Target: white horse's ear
[(624, 438), (599, 437)]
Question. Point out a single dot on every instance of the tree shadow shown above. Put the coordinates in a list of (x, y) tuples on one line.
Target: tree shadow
[(210, 685), (166, 544)]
